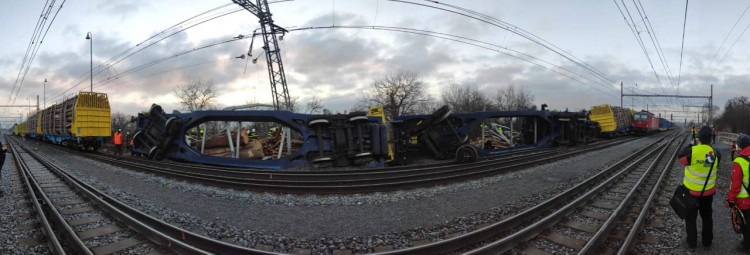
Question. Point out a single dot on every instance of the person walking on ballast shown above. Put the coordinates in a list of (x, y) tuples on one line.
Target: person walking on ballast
[(117, 139), (699, 160), (738, 194)]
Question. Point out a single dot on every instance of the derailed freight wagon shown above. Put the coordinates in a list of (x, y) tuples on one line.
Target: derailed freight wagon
[(614, 120), (83, 121), (267, 139)]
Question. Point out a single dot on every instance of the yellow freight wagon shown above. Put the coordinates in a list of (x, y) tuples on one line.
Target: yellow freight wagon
[(612, 119), (92, 115), (81, 121)]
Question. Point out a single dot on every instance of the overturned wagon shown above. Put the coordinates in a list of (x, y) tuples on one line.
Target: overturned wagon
[(261, 139)]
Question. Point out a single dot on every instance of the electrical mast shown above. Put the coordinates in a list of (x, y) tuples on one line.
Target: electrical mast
[(269, 30)]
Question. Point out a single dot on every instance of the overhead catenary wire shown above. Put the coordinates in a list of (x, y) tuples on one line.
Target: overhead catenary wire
[(682, 47), (518, 31), (38, 45), (468, 41), (102, 86), (160, 60), (114, 61), (644, 18), (31, 48), (637, 35), (188, 23), (721, 60)]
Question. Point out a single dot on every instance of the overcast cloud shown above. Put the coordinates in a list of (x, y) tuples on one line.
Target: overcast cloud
[(337, 65)]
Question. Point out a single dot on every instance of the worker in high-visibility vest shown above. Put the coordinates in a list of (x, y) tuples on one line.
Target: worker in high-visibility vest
[(738, 194), (692, 132), (270, 131), (700, 163), (253, 135), (117, 139)]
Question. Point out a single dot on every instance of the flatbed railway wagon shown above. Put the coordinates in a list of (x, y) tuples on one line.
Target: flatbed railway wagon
[(665, 125), (82, 121), (645, 122), (614, 120)]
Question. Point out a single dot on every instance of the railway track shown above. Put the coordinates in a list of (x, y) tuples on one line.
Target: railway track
[(76, 218), (622, 185), (347, 181)]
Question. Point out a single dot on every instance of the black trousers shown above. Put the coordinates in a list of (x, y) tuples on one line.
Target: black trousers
[(746, 231), (705, 210)]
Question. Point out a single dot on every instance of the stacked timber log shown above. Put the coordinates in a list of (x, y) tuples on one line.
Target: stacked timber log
[(271, 144), (489, 143), (623, 116), (58, 119), (218, 145)]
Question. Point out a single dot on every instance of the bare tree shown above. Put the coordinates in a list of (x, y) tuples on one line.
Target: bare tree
[(399, 93), (197, 95), (466, 98), (313, 106), (736, 116), (511, 99), (121, 121)]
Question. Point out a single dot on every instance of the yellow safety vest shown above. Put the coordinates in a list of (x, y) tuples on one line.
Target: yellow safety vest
[(697, 172), (744, 165)]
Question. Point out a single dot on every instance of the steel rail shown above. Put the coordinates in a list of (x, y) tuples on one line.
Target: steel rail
[(385, 182), (604, 231), (33, 188), (326, 174), (179, 240), (540, 225), (630, 240), (495, 229)]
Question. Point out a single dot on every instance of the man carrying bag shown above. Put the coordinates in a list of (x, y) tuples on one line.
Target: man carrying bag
[(697, 190)]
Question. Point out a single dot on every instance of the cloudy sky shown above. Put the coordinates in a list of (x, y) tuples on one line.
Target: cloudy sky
[(568, 54)]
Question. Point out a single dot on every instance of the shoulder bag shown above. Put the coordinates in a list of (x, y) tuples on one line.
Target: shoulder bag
[(682, 202)]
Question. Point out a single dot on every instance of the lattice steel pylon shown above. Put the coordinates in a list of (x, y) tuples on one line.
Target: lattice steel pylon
[(281, 101)]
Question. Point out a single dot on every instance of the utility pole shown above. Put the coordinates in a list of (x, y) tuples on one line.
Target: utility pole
[(621, 95), (711, 107)]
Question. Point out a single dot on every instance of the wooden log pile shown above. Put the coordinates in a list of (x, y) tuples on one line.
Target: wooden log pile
[(218, 145), (623, 116), (490, 143), (271, 144)]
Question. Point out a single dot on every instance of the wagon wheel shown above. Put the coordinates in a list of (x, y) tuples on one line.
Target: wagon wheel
[(172, 124), (466, 154)]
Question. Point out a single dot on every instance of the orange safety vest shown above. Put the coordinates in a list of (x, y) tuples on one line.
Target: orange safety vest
[(118, 139), (131, 142)]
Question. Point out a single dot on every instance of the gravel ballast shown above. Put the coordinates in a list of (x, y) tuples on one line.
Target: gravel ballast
[(358, 222)]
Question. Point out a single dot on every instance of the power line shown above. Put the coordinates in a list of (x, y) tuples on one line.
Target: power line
[(513, 29), (684, 23), (119, 58), (727, 36), (468, 41), (28, 49), (642, 14), (38, 45), (536, 39), (187, 23), (637, 35)]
